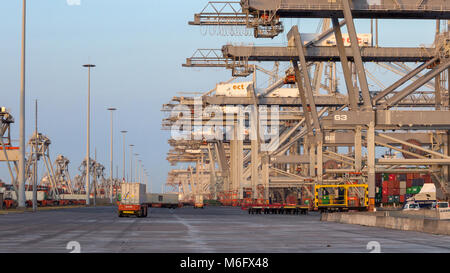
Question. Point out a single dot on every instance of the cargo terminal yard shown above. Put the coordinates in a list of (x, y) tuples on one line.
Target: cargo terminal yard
[(324, 142), (222, 230)]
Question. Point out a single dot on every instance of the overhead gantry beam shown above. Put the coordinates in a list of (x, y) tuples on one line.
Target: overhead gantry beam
[(326, 53), (387, 9)]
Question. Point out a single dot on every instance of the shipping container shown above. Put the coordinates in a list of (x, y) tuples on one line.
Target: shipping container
[(240, 89), (133, 193), (409, 184), (403, 185), (427, 178), (392, 177), (378, 177), (396, 199), (418, 182), (397, 184), (390, 185), (40, 195), (415, 189), (72, 196), (169, 200)]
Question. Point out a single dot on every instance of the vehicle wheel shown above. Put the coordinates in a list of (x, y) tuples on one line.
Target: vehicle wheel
[(140, 213), (145, 212), (120, 214)]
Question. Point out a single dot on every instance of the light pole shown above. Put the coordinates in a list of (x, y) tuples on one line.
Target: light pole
[(137, 167), (131, 163), (139, 170), (21, 189), (140, 173), (144, 177), (111, 109), (123, 174), (88, 136)]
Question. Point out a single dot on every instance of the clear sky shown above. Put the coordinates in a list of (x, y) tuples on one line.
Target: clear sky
[(138, 47)]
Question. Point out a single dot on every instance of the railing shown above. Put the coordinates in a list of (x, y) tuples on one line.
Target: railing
[(383, 7)]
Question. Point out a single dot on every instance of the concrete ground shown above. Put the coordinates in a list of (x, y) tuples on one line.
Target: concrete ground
[(213, 229)]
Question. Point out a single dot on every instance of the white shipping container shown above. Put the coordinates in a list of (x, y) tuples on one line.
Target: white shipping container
[(133, 193), (72, 196), (239, 89), (364, 39), (403, 185), (40, 195), (10, 195), (165, 198)]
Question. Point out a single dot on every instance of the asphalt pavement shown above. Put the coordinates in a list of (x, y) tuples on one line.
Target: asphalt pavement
[(209, 230)]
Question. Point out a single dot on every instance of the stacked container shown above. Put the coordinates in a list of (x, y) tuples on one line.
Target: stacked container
[(402, 191), (415, 183), (378, 194), (391, 189), (398, 188)]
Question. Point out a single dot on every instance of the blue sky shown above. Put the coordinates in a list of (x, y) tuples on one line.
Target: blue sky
[(138, 47)]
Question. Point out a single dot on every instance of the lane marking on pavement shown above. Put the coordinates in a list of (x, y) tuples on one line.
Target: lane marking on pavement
[(193, 235)]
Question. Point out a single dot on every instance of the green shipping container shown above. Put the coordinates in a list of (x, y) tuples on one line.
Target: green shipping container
[(325, 201), (385, 177), (409, 191), (391, 199), (396, 199), (415, 189)]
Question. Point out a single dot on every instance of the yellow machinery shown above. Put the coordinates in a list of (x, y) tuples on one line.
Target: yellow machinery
[(341, 197)]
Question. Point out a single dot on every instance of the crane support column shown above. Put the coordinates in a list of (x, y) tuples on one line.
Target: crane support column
[(371, 163), (320, 160), (357, 55), (358, 149), (352, 96)]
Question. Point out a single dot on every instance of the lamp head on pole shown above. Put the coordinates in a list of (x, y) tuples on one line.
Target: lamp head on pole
[(89, 65)]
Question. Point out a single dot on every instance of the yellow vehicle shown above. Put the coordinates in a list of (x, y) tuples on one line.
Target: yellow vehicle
[(198, 204), (342, 197)]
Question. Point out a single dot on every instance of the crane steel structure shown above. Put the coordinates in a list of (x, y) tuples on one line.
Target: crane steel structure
[(56, 180), (311, 142)]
